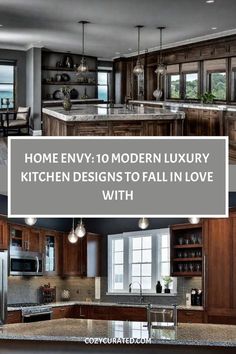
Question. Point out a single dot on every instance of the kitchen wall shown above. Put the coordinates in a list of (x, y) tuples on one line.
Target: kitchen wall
[(20, 57), (26, 289)]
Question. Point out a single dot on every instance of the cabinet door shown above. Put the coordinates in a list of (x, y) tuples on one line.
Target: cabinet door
[(218, 267), (90, 255), (72, 253), (52, 248), (33, 240), (192, 122), (127, 129), (188, 316), (61, 312), (3, 235), (14, 317), (17, 237)]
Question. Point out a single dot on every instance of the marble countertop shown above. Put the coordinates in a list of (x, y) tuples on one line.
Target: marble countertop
[(75, 100), (99, 303), (102, 112), (77, 330), (187, 105)]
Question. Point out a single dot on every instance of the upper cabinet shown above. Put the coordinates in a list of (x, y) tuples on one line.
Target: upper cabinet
[(82, 258), (25, 239), (52, 252), (186, 250), (3, 235)]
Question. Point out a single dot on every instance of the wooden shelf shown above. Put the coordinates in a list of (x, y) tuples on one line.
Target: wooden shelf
[(51, 68), (64, 83), (186, 274), (195, 245), (198, 259)]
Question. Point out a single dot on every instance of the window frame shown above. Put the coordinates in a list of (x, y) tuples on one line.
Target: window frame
[(14, 65), (184, 73), (208, 82), (168, 80), (107, 85), (128, 264)]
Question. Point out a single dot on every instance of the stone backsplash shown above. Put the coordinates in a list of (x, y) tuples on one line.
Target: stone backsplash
[(26, 289)]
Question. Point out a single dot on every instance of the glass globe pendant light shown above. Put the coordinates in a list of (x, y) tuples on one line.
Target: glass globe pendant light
[(72, 237), (138, 69), (83, 67), (80, 230), (161, 68), (30, 221), (143, 223), (194, 220)]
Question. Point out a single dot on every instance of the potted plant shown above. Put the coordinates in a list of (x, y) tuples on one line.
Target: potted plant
[(65, 90), (207, 97), (167, 281)]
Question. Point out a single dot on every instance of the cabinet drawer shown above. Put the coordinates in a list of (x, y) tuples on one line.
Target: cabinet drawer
[(14, 317), (61, 312), (190, 316)]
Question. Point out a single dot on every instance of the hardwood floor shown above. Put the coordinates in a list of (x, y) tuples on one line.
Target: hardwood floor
[(3, 151)]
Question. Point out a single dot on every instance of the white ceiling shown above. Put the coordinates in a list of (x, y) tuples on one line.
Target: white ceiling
[(53, 23)]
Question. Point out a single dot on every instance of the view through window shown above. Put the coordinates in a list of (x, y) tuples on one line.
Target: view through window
[(103, 93), (191, 85), (217, 85), (174, 86), (7, 83)]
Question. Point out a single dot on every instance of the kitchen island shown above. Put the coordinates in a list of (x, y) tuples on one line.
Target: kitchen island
[(72, 335), (103, 120)]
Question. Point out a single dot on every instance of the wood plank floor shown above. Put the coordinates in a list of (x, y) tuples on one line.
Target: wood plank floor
[(3, 151)]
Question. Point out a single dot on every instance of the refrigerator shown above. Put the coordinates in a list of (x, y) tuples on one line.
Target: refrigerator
[(3, 286)]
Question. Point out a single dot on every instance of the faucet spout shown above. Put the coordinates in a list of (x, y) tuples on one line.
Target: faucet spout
[(140, 290)]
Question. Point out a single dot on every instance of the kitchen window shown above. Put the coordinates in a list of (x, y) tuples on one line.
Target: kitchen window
[(217, 84), (141, 257), (173, 86), (103, 86), (7, 83), (191, 84)]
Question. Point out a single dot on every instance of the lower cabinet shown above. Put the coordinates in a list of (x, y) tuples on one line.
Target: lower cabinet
[(190, 316), (62, 312), (14, 317)]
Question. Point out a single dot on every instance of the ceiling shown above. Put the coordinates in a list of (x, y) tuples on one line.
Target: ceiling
[(53, 23)]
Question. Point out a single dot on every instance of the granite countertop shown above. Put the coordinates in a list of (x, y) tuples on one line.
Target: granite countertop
[(121, 304), (102, 112), (187, 105), (77, 330)]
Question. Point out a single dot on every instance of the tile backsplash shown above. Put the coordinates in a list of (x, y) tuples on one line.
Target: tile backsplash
[(26, 289)]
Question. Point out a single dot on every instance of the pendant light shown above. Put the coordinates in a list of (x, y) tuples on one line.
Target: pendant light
[(161, 68), (30, 221), (138, 69), (80, 230), (143, 223), (72, 237), (194, 220), (83, 67)]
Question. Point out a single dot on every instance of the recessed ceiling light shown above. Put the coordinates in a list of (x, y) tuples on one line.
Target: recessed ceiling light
[(214, 28), (130, 49), (210, 1), (117, 53), (1, 25)]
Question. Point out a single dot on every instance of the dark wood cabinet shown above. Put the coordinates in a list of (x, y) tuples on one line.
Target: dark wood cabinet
[(4, 239), (191, 123), (186, 250), (220, 266), (82, 258), (52, 242), (61, 312), (34, 240), (14, 317), (190, 316)]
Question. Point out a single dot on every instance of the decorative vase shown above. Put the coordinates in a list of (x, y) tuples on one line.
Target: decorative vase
[(67, 104), (158, 94), (158, 288)]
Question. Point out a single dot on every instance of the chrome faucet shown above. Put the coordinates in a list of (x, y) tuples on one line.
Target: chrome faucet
[(141, 290)]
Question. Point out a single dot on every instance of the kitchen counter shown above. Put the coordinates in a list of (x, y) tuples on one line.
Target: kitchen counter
[(77, 330), (53, 103), (99, 303), (101, 120), (215, 107), (102, 112)]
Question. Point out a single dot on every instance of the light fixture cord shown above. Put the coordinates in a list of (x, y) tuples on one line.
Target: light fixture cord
[(138, 41), (161, 45), (83, 39)]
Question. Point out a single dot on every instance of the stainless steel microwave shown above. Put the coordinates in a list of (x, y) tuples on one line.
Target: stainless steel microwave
[(26, 263)]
